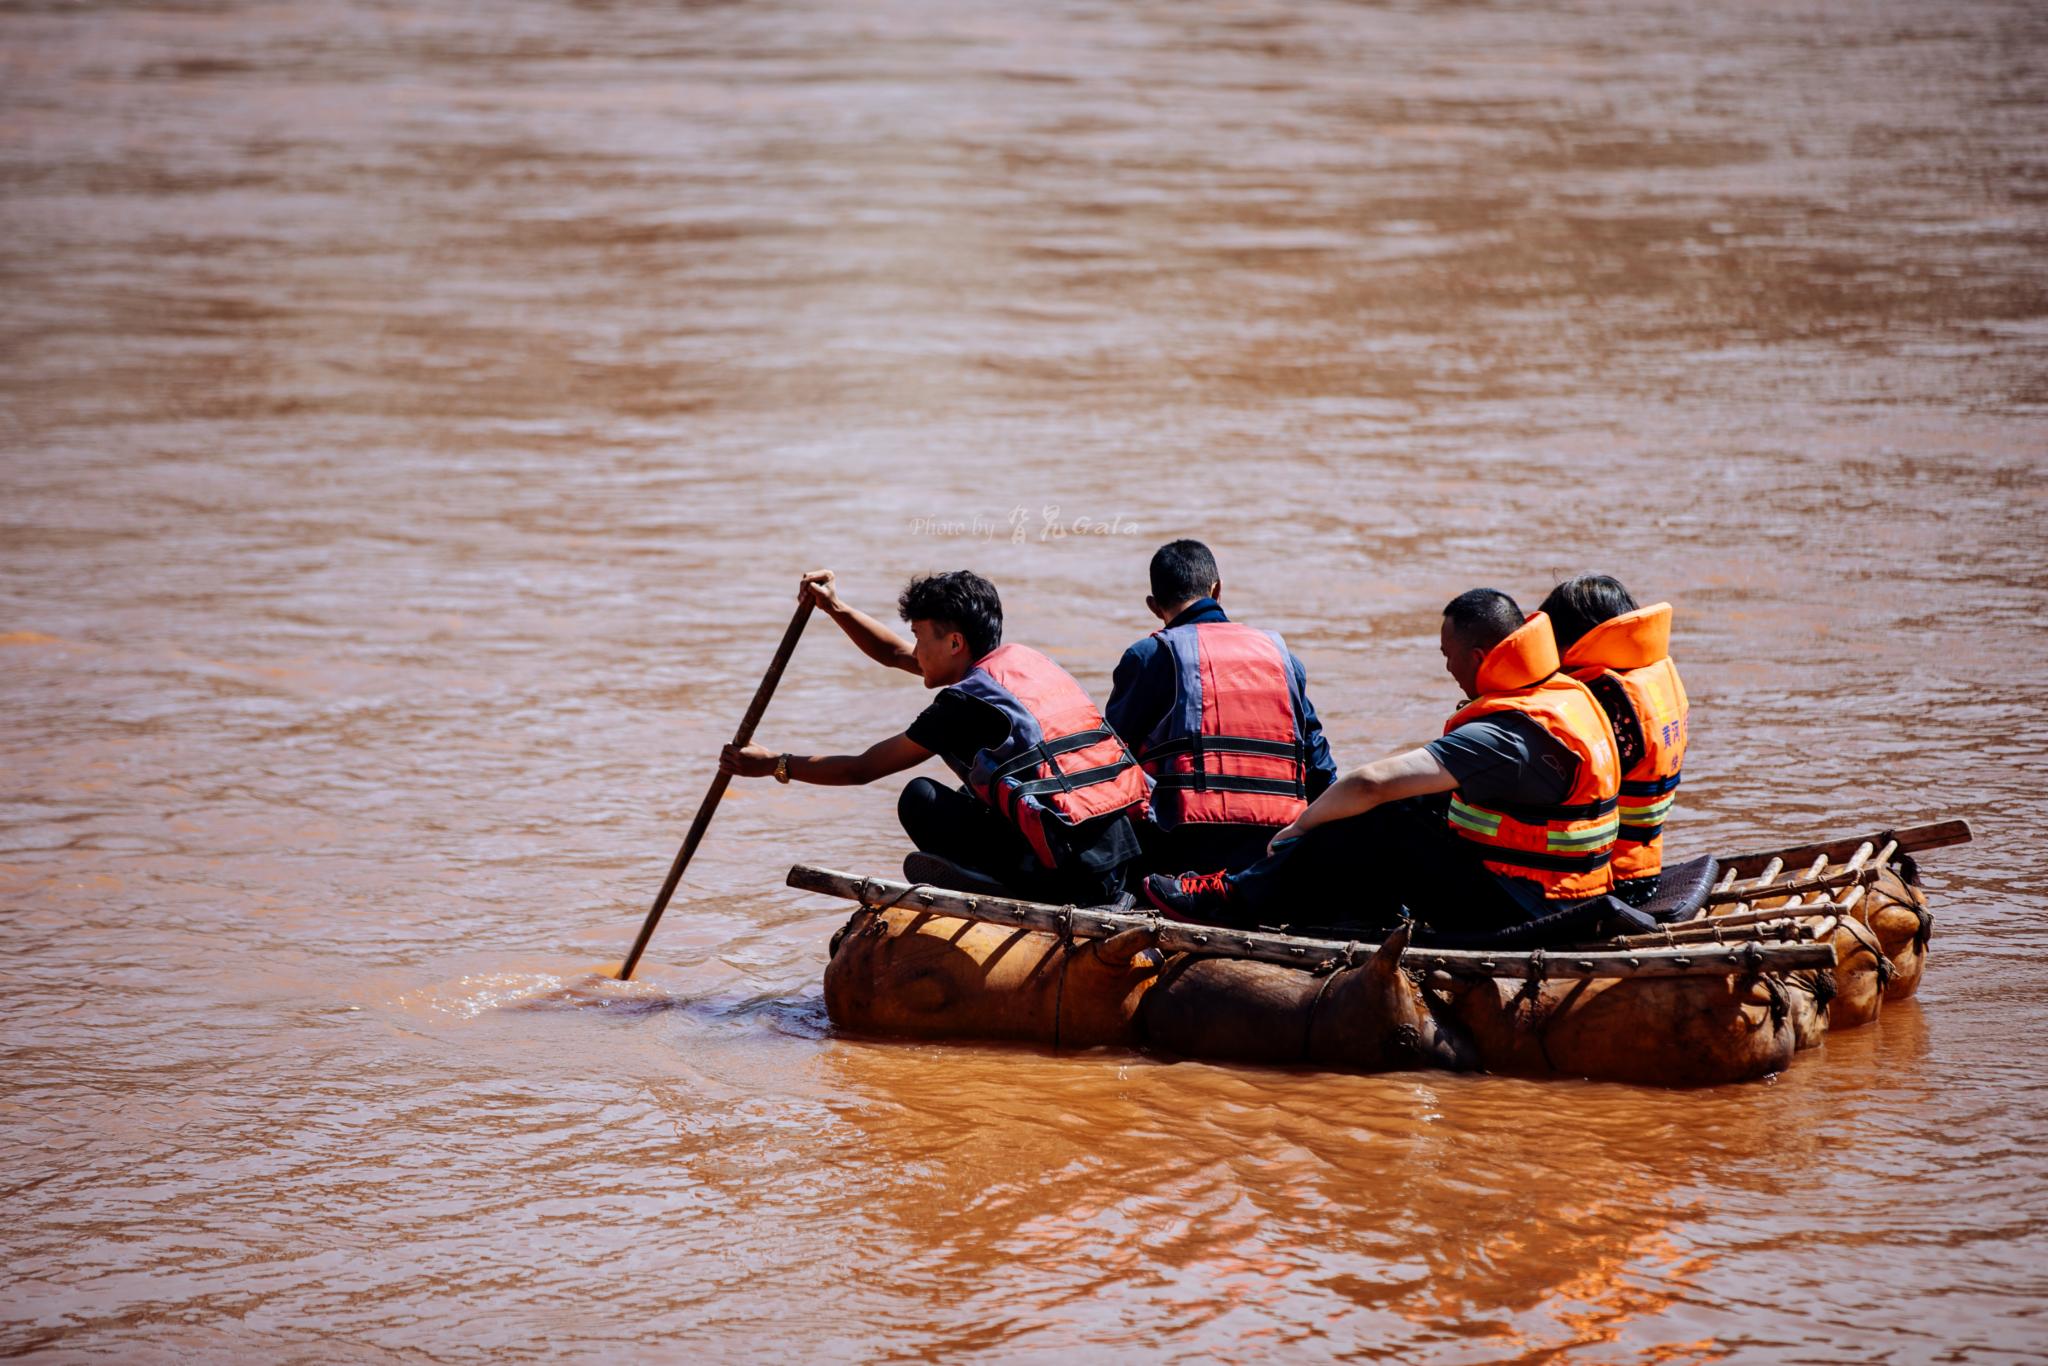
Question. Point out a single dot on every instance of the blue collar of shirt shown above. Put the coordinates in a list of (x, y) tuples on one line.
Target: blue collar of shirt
[(1199, 611)]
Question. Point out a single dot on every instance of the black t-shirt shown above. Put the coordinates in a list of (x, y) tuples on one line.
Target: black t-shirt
[(1507, 758), (957, 727)]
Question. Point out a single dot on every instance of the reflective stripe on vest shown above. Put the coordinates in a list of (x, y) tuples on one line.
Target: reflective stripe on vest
[(1643, 810), (1058, 760), (1627, 661), (1564, 848), (1229, 749)]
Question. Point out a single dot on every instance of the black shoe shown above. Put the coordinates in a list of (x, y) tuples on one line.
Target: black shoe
[(1191, 898), (934, 871)]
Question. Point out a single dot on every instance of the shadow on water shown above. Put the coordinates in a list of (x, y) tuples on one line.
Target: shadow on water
[(800, 1017)]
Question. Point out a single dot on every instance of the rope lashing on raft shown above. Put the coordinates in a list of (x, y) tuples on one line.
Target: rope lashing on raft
[(1308, 1017), (1819, 985), (893, 902), (1866, 942), (1347, 957), (1781, 1004), (1101, 922), (1064, 945)]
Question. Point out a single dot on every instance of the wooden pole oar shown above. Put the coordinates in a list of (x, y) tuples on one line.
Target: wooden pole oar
[(718, 785)]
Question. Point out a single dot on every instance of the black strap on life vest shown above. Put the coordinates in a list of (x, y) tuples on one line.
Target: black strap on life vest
[(1649, 787), (1202, 780), (1068, 782), (1047, 752), (1553, 863), (1232, 744), (1543, 815), (1231, 782)]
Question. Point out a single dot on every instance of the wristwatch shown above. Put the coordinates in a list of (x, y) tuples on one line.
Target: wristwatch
[(782, 768)]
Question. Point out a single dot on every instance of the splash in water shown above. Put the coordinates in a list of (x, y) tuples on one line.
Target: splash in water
[(594, 989)]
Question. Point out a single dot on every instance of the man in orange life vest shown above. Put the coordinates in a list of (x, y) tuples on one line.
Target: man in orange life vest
[(1218, 714), (1623, 654), (1050, 791), (1528, 826)]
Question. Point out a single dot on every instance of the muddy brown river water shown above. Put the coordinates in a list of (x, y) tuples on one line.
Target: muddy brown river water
[(413, 420)]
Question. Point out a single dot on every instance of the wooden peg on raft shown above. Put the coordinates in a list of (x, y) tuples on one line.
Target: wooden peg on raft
[(1120, 948)]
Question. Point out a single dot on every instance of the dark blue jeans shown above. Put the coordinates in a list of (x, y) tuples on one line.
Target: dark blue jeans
[(1203, 848), (1366, 870), (959, 826)]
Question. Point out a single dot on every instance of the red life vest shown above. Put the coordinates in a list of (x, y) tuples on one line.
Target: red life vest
[(1058, 761), (1564, 849), (1626, 661), (1229, 751)]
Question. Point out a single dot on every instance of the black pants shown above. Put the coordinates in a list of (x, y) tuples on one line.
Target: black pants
[(959, 826), (1365, 869), (1203, 847)]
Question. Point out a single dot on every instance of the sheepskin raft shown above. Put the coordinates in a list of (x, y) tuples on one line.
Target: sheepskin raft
[(1776, 949)]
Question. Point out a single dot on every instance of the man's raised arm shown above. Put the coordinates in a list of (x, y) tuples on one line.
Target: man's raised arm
[(875, 640)]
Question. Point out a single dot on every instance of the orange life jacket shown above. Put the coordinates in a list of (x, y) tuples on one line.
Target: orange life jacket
[(1564, 849), (1626, 662), (1058, 761), (1229, 751)]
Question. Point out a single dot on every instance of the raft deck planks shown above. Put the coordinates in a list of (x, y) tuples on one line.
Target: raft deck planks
[(1912, 839)]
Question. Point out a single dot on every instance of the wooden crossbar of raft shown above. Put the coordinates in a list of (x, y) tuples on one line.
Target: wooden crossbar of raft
[(1911, 839), (1756, 889), (1706, 958), (1805, 922)]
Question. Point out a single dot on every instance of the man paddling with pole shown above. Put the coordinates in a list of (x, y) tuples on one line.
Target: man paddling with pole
[(1050, 792)]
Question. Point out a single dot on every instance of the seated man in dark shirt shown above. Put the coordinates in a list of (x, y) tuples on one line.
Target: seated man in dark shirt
[(1050, 792), (1383, 840), (1203, 702)]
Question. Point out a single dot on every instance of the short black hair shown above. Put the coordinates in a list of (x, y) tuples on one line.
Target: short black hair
[(1483, 617), (961, 601), (1182, 571), (1577, 605)]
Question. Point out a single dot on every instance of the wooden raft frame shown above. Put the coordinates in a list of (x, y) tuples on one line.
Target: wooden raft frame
[(1748, 879), (1751, 954), (1911, 839)]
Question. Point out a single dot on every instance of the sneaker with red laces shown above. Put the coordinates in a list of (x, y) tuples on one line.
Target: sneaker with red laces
[(1191, 898)]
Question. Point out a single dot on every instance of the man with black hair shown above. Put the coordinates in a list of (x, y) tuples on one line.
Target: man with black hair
[(1622, 652), (1050, 791), (1508, 816), (1218, 715)]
